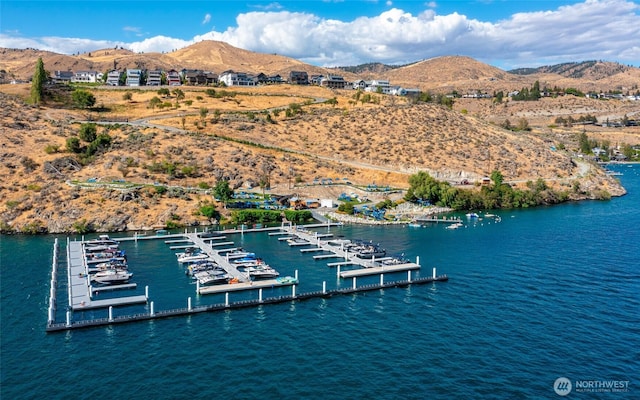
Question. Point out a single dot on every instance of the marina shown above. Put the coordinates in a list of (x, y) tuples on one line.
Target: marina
[(81, 289), (218, 266)]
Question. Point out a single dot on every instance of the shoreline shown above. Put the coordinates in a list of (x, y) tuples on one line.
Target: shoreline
[(406, 216)]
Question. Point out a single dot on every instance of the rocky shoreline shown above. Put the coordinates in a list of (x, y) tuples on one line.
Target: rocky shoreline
[(404, 213)]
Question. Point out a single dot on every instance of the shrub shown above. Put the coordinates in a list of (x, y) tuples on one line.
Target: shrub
[(51, 148)]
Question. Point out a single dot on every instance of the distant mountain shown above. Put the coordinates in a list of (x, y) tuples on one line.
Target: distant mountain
[(370, 68), (592, 70), (439, 74)]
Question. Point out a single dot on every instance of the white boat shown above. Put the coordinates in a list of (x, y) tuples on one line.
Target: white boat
[(296, 241), (455, 226), (189, 259), (99, 248), (112, 276), (239, 254), (262, 271), (472, 215), (211, 277)]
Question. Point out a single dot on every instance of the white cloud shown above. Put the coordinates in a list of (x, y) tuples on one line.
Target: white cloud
[(268, 7), (158, 44), (206, 19), (594, 29)]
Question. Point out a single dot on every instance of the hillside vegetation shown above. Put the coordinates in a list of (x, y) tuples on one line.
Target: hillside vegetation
[(147, 165)]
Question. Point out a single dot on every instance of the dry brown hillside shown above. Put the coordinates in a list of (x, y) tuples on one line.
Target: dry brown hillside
[(444, 74), (381, 143), (440, 74), (206, 55)]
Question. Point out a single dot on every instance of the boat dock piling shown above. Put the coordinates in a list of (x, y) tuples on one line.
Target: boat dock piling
[(54, 282), (80, 290), (229, 305)]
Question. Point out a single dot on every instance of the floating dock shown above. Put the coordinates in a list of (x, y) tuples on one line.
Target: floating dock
[(80, 287), (71, 325), (234, 287), (368, 266), (81, 292)]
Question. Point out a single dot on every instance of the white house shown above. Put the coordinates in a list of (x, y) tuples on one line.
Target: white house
[(133, 77), (231, 78), (86, 76), (113, 77), (154, 77)]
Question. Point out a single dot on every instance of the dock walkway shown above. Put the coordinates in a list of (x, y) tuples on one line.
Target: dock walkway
[(335, 251), (55, 327), (80, 288), (223, 262)]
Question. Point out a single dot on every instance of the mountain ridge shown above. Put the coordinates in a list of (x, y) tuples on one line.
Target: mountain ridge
[(445, 73)]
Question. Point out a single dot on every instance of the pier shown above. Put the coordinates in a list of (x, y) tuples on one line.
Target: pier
[(370, 266), (80, 287), (81, 291), (56, 327)]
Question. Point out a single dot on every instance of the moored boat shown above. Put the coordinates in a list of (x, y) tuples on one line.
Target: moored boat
[(112, 276)]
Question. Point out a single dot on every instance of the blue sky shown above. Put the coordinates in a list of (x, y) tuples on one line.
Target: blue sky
[(503, 33)]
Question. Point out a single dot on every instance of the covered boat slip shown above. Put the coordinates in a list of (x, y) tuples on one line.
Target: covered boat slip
[(80, 288)]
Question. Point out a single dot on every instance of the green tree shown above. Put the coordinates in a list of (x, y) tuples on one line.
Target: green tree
[(103, 141), (346, 208), (164, 92), (88, 132), (127, 96), (424, 187), (179, 94), (583, 141), (73, 144), (203, 113), (154, 102), (535, 91), (37, 82), (209, 210), (83, 98), (223, 192), (497, 178)]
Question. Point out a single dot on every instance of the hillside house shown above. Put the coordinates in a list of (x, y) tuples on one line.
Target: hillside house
[(133, 77), (298, 78), (333, 82), (113, 77), (378, 86), (62, 77), (315, 79), (359, 84), (199, 77), (86, 77), (154, 77), (269, 80), (231, 78), (173, 78)]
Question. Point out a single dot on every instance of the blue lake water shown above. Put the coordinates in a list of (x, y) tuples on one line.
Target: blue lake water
[(545, 293)]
